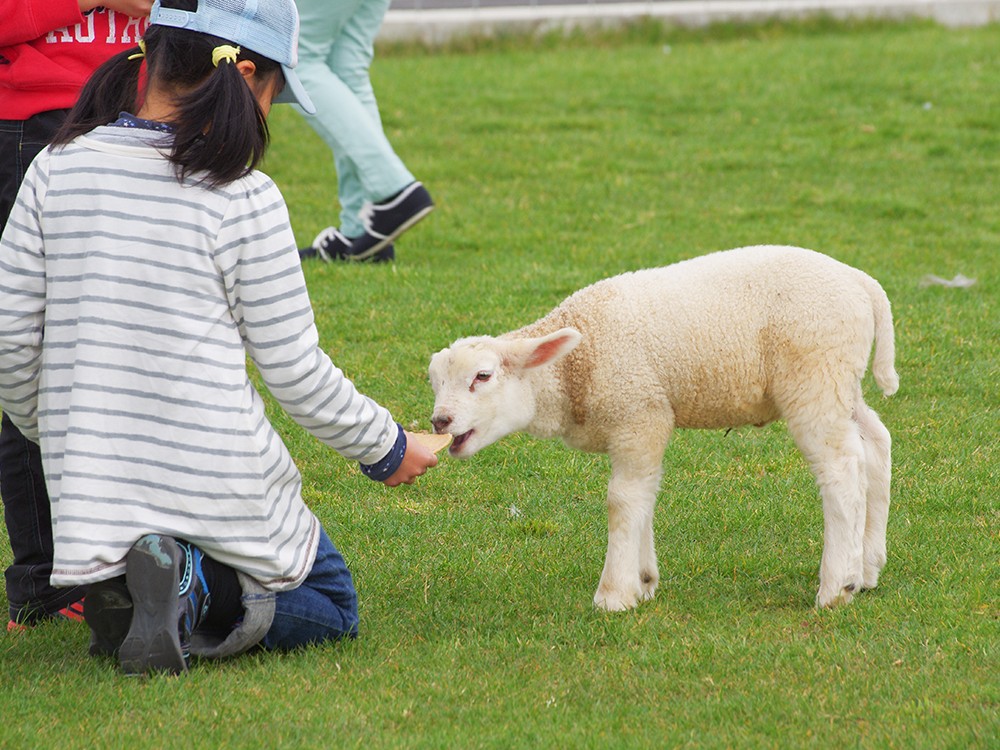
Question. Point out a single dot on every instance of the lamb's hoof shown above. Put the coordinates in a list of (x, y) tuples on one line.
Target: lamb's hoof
[(611, 601), (871, 574), (648, 584), (837, 598)]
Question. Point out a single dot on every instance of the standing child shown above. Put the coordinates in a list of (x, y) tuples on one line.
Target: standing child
[(48, 50), (379, 197), (143, 262)]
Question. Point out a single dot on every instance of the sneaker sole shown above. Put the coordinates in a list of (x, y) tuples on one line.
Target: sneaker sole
[(389, 239), (153, 642)]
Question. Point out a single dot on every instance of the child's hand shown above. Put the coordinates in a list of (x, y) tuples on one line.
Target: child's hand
[(134, 8), (417, 460)]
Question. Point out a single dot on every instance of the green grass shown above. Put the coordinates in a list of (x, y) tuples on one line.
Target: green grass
[(556, 163)]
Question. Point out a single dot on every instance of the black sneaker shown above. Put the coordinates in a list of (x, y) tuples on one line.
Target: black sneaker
[(152, 573), (169, 598), (331, 245), (385, 221), (25, 617), (108, 611)]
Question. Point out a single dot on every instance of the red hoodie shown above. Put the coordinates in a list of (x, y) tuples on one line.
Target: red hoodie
[(42, 69)]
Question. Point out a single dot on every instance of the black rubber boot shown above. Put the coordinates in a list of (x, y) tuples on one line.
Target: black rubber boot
[(108, 611)]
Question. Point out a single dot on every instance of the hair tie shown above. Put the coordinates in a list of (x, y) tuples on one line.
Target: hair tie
[(224, 52), (141, 53)]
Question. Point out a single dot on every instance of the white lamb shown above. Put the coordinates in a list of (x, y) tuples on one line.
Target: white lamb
[(745, 336)]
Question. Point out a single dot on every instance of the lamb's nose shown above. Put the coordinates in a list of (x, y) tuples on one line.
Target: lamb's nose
[(441, 423)]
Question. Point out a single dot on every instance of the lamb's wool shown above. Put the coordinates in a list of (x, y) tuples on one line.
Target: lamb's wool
[(745, 336)]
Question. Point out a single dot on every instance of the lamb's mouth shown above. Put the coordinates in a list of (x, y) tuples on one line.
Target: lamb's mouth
[(458, 441)]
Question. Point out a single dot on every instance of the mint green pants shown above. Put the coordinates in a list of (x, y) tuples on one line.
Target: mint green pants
[(336, 47)]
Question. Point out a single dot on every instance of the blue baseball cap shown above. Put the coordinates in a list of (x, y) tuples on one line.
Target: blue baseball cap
[(268, 27)]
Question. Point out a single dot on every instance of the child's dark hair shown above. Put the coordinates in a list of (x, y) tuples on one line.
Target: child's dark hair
[(220, 132)]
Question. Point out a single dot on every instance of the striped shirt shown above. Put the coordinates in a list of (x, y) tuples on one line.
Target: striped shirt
[(152, 295)]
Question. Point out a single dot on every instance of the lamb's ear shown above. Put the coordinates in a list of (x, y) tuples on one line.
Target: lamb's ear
[(543, 350)]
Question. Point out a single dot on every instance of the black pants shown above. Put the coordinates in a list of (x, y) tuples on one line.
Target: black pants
[(26, 509)]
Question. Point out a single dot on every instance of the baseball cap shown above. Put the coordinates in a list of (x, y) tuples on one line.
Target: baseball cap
[(268, 27)]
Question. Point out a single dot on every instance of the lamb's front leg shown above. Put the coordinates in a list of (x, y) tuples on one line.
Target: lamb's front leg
[(630, 573)]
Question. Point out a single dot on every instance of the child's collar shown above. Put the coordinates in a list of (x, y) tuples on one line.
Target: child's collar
[(128, 120)]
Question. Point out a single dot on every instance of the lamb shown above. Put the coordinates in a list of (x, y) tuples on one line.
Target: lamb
[(738, 337)]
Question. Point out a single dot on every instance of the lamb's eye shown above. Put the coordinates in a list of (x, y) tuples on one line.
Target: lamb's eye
[(482, 376)]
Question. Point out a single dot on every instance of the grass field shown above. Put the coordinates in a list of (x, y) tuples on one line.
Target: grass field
[(555, 163)]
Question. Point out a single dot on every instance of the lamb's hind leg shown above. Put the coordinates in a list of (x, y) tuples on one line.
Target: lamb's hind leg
[(831, 443), (649, 570), (630, 574), (878, 467)]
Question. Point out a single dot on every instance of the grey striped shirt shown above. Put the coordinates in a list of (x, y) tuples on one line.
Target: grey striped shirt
[(151, 296)]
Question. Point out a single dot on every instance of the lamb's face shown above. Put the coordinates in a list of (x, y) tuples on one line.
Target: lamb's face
[(476, 397)]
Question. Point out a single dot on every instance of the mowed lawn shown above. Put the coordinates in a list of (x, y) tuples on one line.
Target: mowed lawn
[(555, 163)]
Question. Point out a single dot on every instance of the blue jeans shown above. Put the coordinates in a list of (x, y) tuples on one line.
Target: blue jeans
[(323, 608), (336, 47), (22, 484), (29, 527)]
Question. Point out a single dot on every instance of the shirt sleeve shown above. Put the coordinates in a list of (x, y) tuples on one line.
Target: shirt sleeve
[(22, 314), (267, 293), (27, 20)]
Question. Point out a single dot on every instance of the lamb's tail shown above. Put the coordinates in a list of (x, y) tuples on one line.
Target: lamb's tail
[(883, 363)]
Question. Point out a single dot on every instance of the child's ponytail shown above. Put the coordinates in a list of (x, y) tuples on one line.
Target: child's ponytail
[(111, 89), (219, 128)]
